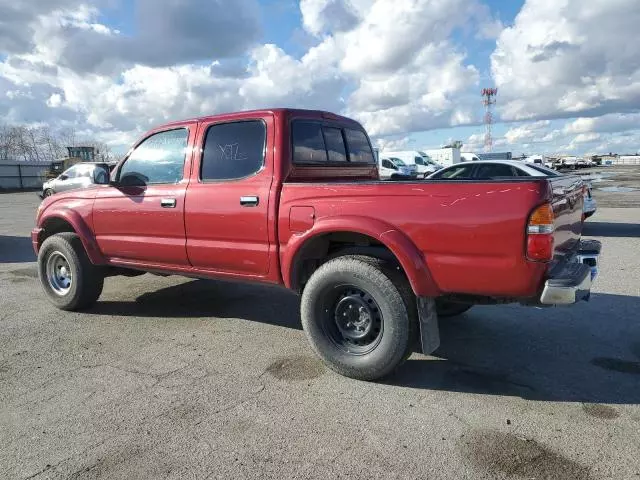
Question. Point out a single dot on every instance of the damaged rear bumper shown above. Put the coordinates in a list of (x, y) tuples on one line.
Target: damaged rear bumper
[(570, 281)]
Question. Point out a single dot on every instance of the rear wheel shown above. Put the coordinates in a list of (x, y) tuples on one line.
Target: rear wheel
[(47, 193), (67, 275), (358, 318), (451, 309)]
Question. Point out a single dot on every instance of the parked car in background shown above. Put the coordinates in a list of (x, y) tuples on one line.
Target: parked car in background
[(535, 159), (424, 164), (392, 168), (498, 169), (468, 157), (81, 175), (581, 163)]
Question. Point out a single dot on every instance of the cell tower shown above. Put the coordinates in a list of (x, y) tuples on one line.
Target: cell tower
[(489, 100)]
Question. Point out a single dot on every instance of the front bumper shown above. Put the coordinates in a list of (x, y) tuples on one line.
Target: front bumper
[(570, 281)]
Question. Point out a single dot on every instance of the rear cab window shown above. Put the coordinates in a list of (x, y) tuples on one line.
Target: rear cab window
[(317, 143)]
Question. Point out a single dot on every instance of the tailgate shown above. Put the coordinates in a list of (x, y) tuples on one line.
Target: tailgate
[(567, 206)]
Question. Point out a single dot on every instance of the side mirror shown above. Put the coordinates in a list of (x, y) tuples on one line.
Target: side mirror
[(63, 177)]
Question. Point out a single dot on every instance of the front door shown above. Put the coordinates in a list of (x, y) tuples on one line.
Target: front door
[(141, 218), (226, 217)]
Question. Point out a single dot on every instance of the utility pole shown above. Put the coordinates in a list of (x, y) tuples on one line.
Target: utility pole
[(488, 100)]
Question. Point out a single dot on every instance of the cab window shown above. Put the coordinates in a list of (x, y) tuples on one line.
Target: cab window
[(387, 164), (233, 150), (159, 159)]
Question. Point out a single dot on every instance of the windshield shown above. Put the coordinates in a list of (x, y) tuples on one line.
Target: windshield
[(398, 162), (427, 160)]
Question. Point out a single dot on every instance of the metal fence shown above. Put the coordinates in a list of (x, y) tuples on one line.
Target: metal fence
[(22, 176)]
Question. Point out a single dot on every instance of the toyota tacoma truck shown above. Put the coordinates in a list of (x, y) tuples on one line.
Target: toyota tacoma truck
[(292, 197)]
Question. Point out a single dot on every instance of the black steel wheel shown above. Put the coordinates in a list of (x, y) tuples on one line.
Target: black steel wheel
[(353, 319), (358, 317)]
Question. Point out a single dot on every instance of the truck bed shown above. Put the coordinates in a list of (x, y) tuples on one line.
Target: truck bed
[(472, 234)]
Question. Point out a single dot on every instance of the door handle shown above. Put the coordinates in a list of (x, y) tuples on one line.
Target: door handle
[(249, 201), (168, 203)]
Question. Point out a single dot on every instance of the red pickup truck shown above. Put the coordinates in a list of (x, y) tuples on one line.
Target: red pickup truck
[(292, 197)]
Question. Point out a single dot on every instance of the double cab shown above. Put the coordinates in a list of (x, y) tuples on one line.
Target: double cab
[(293, 197)]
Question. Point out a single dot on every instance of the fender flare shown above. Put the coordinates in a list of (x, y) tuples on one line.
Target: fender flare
[(78, 224), (408, 255)]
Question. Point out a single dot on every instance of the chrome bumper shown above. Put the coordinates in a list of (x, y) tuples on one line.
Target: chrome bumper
[(571, 281)]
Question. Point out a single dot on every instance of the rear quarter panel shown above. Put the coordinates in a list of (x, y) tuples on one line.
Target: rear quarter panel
[(470, 234)]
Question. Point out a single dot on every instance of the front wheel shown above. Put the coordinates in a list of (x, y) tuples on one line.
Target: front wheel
[(47, 193), (358, 318), (67, 275)]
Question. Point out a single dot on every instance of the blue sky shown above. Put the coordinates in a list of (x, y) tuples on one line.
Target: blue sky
[(409, 70)]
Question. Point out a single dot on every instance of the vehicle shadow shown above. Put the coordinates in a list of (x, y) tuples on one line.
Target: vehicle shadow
[(16, 249), (610, 229), (209, 298), (586, 353)]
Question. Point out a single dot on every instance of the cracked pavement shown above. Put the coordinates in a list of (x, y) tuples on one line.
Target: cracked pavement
[(178, 378)]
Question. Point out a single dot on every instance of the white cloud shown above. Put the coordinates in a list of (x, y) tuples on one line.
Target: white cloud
[(413, 81), (398, 66), (617, 122), (526, 133), (320, 16), (564, 58), (475, 143), (586, 137), (393, 144)]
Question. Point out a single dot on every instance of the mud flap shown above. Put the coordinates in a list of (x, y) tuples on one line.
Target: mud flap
[(429, 331)]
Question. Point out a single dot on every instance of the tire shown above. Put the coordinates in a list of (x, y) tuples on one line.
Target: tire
[(47, 193), (451, 309), (378, 294), (77, 283)]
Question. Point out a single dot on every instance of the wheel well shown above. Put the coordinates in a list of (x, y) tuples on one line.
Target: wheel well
[(53, 226), (322, 248)]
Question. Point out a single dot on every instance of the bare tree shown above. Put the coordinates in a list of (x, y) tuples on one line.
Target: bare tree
[(42, 144)]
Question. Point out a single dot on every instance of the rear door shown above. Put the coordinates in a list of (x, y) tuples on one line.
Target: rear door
[(227, 207), (141, 220)]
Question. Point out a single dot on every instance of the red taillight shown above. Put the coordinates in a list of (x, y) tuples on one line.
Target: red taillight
[(540, 234)]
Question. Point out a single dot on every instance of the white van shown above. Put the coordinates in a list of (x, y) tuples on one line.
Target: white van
[(391, 168), (424, 164), (469, 157)]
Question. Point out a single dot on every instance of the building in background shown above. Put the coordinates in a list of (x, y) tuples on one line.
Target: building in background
[(83, 154), (445, 156)]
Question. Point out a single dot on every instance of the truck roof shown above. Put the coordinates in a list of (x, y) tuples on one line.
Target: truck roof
[(274, 111)]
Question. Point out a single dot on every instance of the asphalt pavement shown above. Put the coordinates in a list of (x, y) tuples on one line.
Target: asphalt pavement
[(179, 378)]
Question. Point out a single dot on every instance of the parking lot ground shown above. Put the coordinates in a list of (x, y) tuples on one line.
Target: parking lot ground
[(178, 378)]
